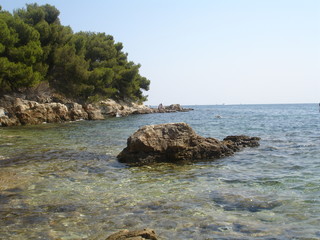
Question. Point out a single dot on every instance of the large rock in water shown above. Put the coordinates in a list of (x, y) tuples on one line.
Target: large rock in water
[(175, 142)]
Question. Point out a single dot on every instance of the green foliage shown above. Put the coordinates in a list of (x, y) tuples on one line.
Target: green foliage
[(20, 54), (70, 73), (14, 76), (87, 66)]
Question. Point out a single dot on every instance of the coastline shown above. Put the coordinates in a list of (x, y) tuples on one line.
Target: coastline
[(19, 110)]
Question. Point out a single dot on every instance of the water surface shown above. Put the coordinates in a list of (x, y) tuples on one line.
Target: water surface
[(62, 181)]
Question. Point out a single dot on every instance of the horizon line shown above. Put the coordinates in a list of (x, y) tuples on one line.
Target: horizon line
[(235, 104)]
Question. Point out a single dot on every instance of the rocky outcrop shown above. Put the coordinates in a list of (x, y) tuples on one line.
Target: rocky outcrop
[(175, 142), (171, 108), (112, 108), (177, 108), (17, 111), (121, 108), (93, 112), (134, 235), (236, 143)]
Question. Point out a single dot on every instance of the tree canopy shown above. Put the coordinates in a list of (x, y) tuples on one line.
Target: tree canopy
[(35, 47)]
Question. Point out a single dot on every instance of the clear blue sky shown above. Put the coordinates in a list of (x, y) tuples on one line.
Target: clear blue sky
[(210, 51)]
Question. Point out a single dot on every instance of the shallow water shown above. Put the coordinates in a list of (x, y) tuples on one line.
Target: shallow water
[(62, 181)]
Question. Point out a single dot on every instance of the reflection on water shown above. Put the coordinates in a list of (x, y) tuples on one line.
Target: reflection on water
[(62, 181)]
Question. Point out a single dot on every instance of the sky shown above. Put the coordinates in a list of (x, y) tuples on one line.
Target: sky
[(210, 51)]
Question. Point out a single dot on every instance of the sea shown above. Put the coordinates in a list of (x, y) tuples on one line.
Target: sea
[(63, 181)]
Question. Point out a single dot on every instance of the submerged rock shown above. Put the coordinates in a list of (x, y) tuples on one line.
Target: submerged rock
[(174, 142), (134, 235), (238, 202)]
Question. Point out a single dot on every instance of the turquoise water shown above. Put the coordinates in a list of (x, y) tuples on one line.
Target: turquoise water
[(62, 181)]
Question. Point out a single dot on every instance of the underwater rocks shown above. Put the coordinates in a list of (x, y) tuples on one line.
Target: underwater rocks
[(134, 235), (238, 202), (175, 142)]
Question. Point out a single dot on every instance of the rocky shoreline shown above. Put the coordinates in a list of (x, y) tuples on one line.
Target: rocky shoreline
[(15, 111)]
